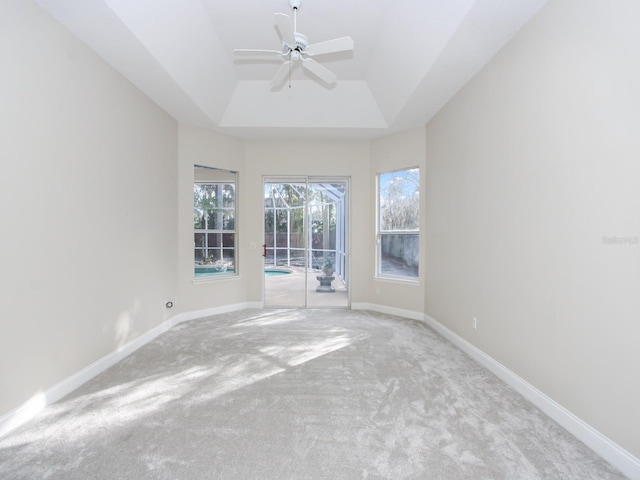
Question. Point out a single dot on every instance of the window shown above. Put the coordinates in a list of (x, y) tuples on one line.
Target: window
[(214, 222), (399, 224)]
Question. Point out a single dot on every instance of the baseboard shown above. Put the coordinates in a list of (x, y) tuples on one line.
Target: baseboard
[(207, 312), (603, 446), (28, 410), (606, 448), (399, 312)]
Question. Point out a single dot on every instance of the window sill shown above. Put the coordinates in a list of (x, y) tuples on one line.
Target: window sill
[(217, 279), (399, 280)]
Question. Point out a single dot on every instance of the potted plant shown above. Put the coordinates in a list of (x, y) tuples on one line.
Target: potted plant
[(327, 268), (327, 276)]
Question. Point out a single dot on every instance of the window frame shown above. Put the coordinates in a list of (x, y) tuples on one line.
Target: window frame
[(220, 244), (380, 232)]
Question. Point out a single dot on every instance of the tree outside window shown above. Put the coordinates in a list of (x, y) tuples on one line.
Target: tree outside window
[(399, 224), (214, 215)]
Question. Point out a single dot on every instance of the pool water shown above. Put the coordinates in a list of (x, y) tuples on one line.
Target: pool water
[(208, 272), (276, 273)]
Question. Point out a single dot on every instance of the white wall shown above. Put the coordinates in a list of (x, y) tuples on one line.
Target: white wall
[(211, 149), (253, 160), (528, 169), (308, 157), (395, 152), (359, 160), (88, 202)]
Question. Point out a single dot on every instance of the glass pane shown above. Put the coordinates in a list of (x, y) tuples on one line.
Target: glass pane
[(199, 240), (326, 284), (296, 239), (269, 260), (269, 216), (281, 221), (229, 255), (284, 280), (228, 239), (268, 239), (296, 219), (214, 239), (228, 221), (297, 258), (212, 192), (399, 200), (281, 256), (213, 220), (399, 254), (229, 196), (198, 220), (214, 202)]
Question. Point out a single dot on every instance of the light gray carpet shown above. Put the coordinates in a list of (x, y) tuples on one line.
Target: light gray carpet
[(324, 394)]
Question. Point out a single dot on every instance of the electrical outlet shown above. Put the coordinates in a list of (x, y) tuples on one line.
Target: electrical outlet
[(474, 323), (377, 290)]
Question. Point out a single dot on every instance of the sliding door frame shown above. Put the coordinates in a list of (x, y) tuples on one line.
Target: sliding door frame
[(345, 260)]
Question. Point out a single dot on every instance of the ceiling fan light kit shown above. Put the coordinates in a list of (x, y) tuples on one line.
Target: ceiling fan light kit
[(296, 49)]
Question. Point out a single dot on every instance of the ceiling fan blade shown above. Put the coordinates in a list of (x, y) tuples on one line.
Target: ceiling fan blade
[(341, 44), (246, 51), (281, 74), (319, 71), (286, 30)]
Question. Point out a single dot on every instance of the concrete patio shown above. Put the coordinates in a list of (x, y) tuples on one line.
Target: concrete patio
[(289, 290)]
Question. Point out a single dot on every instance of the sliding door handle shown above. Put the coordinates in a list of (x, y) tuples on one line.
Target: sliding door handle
[(264, 249)]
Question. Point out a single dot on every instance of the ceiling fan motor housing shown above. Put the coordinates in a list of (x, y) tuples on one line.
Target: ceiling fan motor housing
[(301, 42)]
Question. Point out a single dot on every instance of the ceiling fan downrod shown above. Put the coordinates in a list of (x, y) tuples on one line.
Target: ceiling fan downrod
[(295, 5)]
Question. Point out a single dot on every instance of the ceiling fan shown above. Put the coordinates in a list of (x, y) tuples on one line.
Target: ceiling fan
[(296, 49)]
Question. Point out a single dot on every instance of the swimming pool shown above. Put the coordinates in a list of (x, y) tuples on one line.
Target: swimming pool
[(276, 272), (210, 271)]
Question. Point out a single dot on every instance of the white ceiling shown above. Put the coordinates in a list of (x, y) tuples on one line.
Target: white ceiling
[(410, 58)]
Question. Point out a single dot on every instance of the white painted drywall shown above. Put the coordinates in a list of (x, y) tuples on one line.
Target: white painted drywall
[(88, 202), (533, 211), (395, 152), (210, 149), (358, 160), (308, 157)]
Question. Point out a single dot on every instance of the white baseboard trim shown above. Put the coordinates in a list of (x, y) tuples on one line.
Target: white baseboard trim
[(606, 448), (603, 446), (399, 312), (28, 410), (207, 312)]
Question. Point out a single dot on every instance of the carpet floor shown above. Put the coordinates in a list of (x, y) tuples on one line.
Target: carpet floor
[(300, 394)]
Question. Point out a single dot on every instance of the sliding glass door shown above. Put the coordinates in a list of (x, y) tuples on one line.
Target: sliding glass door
[(285, 252), (306, 242)]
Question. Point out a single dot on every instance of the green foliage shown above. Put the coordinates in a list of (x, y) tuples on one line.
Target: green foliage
[(400, 200), (213, 206)]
